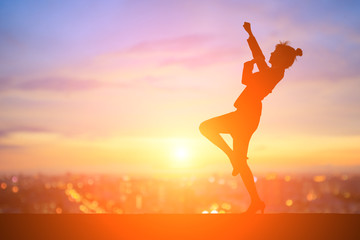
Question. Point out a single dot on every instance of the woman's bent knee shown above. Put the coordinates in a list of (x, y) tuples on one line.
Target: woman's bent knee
[(203, 127), (206, 128)]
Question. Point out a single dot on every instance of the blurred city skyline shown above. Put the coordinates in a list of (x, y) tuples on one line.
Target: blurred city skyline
[(213, 193), (122, 86)]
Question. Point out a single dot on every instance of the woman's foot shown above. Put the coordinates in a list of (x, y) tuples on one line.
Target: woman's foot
[(256, 206)]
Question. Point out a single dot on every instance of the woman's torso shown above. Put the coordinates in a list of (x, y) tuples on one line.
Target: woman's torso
[(261, 84)]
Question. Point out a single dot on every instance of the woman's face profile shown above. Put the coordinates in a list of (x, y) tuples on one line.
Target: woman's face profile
[(275, 57)]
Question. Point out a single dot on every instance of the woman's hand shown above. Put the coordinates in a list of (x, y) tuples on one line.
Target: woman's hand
[(247, 72), (247, 28), (250, 64)]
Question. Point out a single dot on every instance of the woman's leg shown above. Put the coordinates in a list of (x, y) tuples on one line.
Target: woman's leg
[(241, 144), (212, 128)]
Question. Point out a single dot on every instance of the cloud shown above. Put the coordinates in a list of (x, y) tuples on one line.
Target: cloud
[(6, 83), (59, 84), (15, 129), (173, 44), (190, 51), (166, 47), (10, 147), (75, 85), (216, 55)]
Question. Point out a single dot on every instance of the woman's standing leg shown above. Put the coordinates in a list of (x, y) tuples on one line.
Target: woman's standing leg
[(241, 143)]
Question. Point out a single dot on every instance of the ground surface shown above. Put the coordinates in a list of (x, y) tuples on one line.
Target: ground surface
[(168, 226)]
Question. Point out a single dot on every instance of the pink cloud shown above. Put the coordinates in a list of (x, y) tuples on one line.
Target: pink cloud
[(213, 56), (6, 83), (59, 84), (75, 85), (14, 129), (173, 44)]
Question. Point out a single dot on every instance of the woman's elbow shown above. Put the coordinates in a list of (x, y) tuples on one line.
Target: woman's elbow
[(244, 81)]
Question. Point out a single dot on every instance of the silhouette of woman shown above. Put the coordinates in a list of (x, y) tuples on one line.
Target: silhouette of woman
[(243, 122)]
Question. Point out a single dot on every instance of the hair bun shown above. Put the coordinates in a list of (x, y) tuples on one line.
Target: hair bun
[(298, 52)]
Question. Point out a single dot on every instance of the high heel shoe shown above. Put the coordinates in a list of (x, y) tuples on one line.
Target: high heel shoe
[(256, 206)]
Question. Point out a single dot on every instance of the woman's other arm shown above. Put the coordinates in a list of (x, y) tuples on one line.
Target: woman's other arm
[(255, 48)]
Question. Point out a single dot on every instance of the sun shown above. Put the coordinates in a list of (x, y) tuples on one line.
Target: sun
[(181, 154)]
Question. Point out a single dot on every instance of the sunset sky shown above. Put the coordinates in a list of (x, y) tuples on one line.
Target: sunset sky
[(122, 86)]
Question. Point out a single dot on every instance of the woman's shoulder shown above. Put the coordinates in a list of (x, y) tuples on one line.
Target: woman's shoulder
[(273, 73), (269, 72)]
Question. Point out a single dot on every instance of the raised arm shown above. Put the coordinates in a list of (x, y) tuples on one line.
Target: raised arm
[(255, 48)]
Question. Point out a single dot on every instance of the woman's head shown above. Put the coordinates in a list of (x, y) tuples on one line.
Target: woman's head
[(284, 55)]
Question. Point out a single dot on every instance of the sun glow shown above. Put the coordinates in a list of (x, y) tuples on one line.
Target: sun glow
[(181, 154)]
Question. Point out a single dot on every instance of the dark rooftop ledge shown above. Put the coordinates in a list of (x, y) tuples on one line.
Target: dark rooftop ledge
[(180, 226)]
